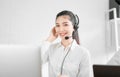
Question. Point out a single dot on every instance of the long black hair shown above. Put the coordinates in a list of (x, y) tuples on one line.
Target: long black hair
[(75, 21)]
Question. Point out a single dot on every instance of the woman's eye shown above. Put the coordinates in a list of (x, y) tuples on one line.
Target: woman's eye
[(65, 24), (57, 25)]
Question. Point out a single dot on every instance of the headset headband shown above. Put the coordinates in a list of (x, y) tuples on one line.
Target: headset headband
[(76, 22)]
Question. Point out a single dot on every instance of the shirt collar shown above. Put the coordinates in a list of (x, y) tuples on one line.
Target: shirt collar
[(72, 45)]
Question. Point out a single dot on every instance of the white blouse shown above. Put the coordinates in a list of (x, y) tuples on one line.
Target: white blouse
[(77, 63)]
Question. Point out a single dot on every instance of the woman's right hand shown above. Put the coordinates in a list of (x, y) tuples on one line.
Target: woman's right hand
[(53, 35)]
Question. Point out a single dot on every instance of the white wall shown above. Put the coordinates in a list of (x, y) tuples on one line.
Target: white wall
[(19, 61), (29, 22)]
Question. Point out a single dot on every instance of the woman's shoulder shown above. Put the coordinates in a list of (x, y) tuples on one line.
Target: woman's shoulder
[(82, 49)]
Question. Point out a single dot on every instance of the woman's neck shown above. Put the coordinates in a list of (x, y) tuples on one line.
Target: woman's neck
[(66, 43)]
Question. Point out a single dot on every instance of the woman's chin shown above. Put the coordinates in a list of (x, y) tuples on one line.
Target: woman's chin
[(62, 37)]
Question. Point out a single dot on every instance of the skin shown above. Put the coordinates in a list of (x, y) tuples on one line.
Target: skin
[(63, 28)]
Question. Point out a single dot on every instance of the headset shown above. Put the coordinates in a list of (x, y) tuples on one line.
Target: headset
[(76, 23), (76, 20)]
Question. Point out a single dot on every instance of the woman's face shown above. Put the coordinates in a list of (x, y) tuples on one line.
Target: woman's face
[(64, 26)]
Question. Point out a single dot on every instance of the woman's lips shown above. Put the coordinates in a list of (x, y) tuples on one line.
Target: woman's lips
[(62, 34)]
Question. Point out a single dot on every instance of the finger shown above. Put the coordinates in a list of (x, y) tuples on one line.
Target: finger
[(54, 31)]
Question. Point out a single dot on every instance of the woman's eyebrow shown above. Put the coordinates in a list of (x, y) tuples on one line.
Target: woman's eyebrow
[(62, 23), (65, 22)]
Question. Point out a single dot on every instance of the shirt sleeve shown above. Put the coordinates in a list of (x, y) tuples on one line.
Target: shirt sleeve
[(85, 66), (45, 46)]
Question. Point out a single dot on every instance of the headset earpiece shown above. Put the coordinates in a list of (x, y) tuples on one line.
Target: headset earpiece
[(76, 22), (73, 35)]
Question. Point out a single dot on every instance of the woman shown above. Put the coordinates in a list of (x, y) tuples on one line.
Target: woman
[(66, 58)]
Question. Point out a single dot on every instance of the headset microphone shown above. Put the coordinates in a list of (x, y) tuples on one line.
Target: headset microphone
[(67, 37)]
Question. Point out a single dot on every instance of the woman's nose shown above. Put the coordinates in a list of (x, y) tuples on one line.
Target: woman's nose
[(61, 29)]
